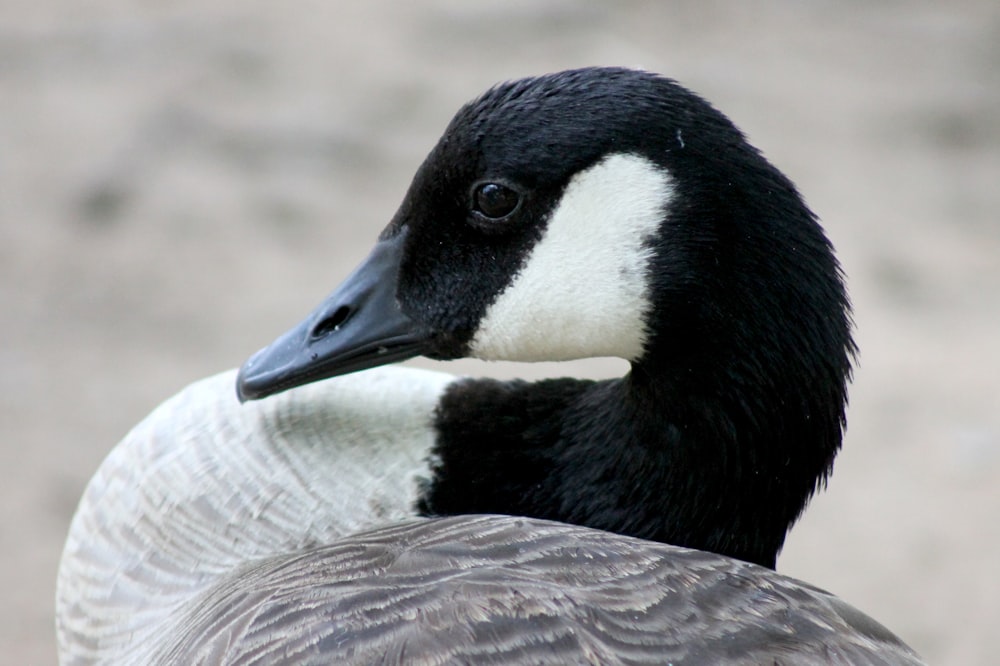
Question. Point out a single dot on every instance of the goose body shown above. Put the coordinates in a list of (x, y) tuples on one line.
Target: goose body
[(596, 212)]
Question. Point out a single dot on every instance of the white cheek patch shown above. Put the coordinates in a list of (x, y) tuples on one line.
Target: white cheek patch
[(583, 290)]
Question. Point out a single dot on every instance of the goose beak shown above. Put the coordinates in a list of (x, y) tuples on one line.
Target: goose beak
[(359, 326)]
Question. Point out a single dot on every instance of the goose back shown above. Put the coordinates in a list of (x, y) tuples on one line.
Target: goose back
[(504, 590)]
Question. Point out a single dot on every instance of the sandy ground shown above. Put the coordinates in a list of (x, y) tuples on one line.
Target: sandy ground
[(179, 185)]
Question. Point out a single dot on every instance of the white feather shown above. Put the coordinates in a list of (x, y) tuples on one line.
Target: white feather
[(204, 486), (562, 305)]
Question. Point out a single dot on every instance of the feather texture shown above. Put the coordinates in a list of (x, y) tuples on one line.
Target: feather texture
[(204, 485), (503, 590)]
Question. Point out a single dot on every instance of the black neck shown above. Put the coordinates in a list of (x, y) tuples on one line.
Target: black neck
[(633, 456)]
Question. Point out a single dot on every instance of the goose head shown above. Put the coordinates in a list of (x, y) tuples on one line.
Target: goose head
[(612, 212), (596, 212)]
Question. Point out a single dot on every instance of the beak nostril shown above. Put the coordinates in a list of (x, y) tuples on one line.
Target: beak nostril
[(330, 324)]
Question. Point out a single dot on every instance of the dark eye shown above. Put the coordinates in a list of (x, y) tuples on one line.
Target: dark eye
[(494, 200)]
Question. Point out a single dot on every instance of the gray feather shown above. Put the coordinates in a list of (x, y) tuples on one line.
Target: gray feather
[(502, 590)]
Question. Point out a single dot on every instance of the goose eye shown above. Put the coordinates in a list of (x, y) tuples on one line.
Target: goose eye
[(494, 201)]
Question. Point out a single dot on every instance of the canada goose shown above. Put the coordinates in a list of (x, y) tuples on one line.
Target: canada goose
[(592, 212)]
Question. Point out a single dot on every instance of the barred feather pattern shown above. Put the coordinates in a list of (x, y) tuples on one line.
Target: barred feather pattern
[(504, 590)]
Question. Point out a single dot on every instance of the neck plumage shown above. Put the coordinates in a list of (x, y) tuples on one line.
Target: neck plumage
[(722, 469)]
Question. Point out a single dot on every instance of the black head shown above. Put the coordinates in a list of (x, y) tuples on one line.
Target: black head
[(529, 139), (608, 211)]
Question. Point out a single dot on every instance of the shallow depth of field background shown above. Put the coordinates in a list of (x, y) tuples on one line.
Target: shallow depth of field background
[(179, 185)]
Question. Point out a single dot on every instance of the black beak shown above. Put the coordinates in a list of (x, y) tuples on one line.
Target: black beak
[(359, 326)]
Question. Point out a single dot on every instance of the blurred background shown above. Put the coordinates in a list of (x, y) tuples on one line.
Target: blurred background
[(180, 182)]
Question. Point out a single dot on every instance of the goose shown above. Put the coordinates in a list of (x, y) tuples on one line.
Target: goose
[(395, 515)]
